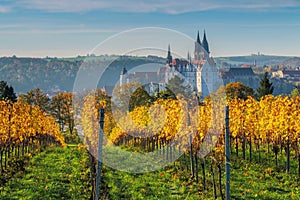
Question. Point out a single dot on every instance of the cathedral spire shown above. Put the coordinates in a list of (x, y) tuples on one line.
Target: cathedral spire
[(198, 38), (189, 57), (205, 43), (169, 56)]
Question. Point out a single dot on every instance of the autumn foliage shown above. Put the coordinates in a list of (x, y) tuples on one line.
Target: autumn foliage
[(271, 122), (21, 123)]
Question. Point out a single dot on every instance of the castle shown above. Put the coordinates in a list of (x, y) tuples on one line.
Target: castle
[(200, 72)]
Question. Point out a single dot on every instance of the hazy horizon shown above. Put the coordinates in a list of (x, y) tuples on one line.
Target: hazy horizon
[(115, 55)]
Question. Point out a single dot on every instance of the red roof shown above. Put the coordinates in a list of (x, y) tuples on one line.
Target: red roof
[(199, 62)]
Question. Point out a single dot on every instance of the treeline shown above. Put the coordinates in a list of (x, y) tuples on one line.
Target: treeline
[(59, 106), (47, 74), (53, 74)]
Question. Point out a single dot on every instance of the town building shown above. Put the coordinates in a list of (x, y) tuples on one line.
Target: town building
[(287, 74), (244, 75)]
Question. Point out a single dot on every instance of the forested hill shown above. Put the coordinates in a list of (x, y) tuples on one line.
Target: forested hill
[(51, 74), (29, 73), (260, 60)]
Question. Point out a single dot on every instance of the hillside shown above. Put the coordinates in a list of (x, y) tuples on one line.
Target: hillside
[(260, 60), (53, 74), (292, 62)]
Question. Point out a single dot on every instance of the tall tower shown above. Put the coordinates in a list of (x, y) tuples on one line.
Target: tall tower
[(198, 38), (189, 57), (201, 48), (197, 52), (205, 44), (169, 56)]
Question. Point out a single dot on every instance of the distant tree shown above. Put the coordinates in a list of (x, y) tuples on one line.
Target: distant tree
[(139, 97), (130, 95), (177, 86), (265, 86), (295, 92), (236, 90), (7, 92), (165, 94), (36, 97), (122, 95), (62, 109)]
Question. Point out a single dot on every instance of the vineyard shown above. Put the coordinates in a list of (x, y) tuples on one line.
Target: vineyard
[(261, 132), (149, 100), (24, 129), (174, 142)]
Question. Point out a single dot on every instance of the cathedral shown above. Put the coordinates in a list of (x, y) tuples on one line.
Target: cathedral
[(200, 72)]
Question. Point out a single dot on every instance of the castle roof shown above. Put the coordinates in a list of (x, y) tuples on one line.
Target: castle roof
[(233, 73), (226, 75), (199, 62), (210, 61), (291, 73), (147, 77), (179, 62), (246, 71)]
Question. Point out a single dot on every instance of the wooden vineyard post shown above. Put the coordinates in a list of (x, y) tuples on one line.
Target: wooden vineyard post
[(227, 152), (191, 158), (99, 162)]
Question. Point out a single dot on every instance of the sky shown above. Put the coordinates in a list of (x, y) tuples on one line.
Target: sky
[(68, 28)]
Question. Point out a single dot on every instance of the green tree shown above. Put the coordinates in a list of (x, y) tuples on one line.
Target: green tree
[(7, 92), (129, 95), (177, 86), (165, 94), (139, 97), (236, 90), (265, 86), (62, 109), (36, 97), (295, 92)]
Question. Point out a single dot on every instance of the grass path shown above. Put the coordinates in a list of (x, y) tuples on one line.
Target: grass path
[(57, 173), (248, 181), (63, 173)]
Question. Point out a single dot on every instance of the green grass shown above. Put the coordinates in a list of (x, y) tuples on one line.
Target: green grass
[(163, 184), (57, 173), (63, 173), (248, 181), (257, 181)]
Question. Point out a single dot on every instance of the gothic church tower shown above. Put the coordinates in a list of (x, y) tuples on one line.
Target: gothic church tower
[(201, 48)]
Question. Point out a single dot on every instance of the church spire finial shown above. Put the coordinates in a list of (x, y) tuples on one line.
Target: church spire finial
[(169, 56), (205, 43), (198, 38)]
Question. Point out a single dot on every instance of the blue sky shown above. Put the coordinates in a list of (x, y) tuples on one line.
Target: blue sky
[(66, 28)]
